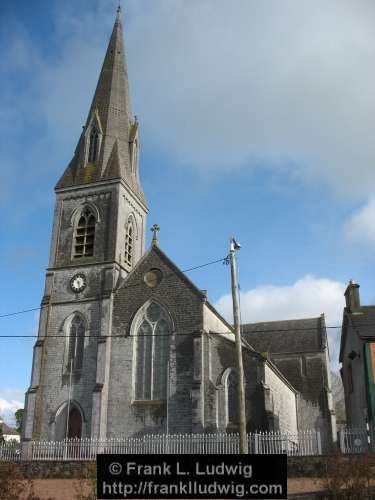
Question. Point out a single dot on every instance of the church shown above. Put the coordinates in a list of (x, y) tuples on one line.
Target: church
[(127, 344)]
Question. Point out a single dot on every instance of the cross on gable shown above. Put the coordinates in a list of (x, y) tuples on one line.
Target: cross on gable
[(155, 229)]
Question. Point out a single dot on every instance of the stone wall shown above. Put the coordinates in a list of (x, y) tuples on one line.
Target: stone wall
[(283, 401), (184, 304)]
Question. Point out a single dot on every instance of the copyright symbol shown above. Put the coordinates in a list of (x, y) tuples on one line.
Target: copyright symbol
[(115, 468)]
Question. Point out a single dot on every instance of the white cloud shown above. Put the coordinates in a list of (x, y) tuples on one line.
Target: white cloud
[(10, 401), (308, 297), (361, 225), (287, 84)]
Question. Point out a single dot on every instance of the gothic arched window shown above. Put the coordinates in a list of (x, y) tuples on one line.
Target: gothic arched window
[(76, 342), (129, 243), (231, 398), (151, 352), (85, 234), (93, 145)]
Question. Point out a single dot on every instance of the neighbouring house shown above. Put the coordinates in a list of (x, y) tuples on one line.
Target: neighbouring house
[(8, 433), (357, 358)]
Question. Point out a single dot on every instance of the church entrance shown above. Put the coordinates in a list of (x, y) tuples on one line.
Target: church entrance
[(75, 423)]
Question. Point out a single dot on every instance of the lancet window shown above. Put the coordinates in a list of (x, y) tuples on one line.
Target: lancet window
[(151, 353), (93, 145), (129, 243), (76, 341), (231, 397)]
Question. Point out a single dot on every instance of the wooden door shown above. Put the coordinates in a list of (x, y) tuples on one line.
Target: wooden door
[(75, 423)]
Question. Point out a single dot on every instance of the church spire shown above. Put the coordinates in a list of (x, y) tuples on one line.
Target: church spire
[(108, 146)]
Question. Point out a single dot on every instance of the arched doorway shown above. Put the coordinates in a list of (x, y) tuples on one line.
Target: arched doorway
[(75, 423)]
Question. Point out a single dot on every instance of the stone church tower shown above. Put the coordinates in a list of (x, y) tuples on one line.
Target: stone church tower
[(98, 236)]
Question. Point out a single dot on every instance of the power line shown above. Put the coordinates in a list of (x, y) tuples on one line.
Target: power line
[(223, 259), (162, 335), (125, 286), (21, 312)]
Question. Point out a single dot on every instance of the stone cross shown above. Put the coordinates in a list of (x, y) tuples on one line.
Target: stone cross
[(155, 229)]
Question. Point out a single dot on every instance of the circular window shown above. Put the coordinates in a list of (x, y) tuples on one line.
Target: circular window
[(153, 277)]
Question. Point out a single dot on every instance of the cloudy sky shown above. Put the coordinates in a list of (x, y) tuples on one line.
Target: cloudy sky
[(257, 120)]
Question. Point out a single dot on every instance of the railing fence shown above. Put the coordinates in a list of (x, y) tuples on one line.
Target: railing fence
[(10, 452), (302, 443), (356, 440)]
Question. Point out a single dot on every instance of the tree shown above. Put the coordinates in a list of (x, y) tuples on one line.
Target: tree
[(1, 431), (19, 419)]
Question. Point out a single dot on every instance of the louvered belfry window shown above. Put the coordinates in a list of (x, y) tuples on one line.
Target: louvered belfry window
[(151, 353), (76, 344), (129, 239), (85, 235), (93, 145)]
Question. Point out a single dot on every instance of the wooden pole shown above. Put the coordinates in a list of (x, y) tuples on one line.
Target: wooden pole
[(237, 331)]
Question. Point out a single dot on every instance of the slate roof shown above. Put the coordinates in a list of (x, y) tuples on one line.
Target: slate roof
[(362, 320), (296, 335), (8, 431)]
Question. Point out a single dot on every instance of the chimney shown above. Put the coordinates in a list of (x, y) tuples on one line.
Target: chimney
[(352, 296)]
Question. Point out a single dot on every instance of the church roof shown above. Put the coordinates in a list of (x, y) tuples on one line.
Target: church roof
[(287, 336), (110, 114)]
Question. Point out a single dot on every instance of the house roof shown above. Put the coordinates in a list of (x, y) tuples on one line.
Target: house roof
[(8, 431), (287, 336), (362, 320)]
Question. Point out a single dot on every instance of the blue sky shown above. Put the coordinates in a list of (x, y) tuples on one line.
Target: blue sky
[(255, 121)]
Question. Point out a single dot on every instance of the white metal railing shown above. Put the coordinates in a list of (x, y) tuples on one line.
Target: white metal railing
[(302, 443), (298, 444), (356, 440), (10, 452)]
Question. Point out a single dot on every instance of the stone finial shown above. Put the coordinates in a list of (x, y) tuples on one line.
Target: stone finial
[(155, 229)]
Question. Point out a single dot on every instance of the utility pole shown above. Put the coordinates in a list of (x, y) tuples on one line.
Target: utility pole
[(237, 331)]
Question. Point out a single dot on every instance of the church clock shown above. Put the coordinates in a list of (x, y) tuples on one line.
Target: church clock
[(78, 282)]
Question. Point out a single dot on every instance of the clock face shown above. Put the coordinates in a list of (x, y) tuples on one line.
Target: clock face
[(78, 282)]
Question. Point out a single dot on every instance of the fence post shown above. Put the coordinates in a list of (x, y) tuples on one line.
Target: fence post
[(256, 443), (26, 449)]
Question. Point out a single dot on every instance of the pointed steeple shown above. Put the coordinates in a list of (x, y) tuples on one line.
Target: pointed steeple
[(108, 146)]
